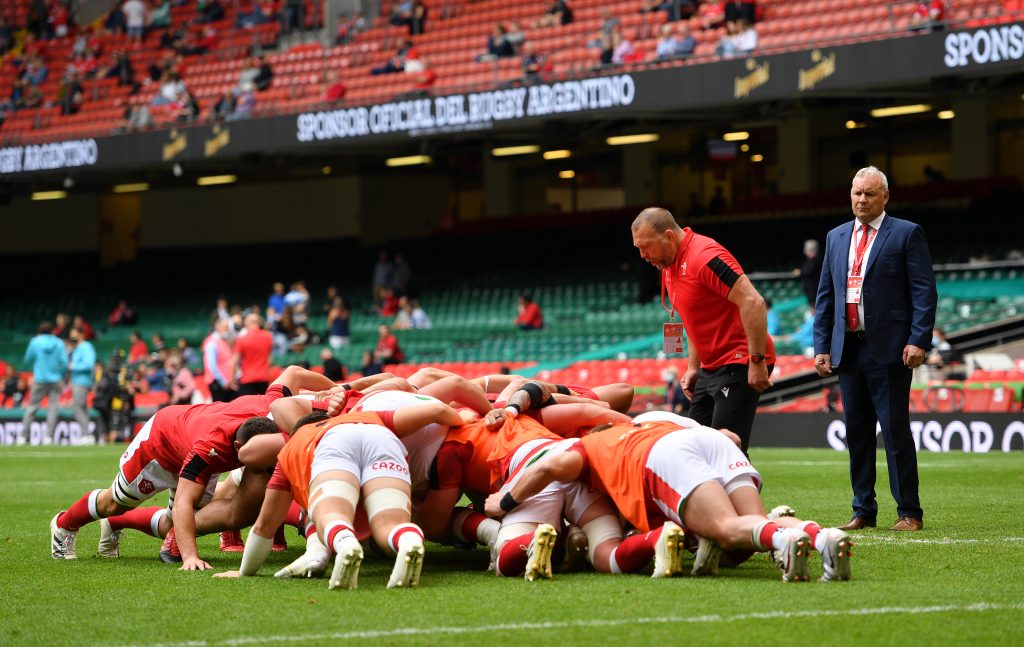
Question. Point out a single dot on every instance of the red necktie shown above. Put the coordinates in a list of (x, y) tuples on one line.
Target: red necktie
[(852, 316)]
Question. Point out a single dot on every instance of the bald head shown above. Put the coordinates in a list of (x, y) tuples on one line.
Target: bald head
[(253, 320), (657, 236)]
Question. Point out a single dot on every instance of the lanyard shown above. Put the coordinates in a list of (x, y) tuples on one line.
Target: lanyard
[(672, 311), (862, 249)]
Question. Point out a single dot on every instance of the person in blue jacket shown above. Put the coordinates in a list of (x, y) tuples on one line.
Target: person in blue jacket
[(82, 367), (49, 362)]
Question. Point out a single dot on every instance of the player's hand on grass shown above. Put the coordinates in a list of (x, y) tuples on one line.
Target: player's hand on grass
[(228, 574), (492, 506), (195, 564)]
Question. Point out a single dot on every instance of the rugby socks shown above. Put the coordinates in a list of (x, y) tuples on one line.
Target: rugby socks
[(294, 516), (768, 536), (472, 527), (308, 528), (404, 533), (813, 529), (513, 556), (145, 520), (634, 553), (80, 513), (336, 535)]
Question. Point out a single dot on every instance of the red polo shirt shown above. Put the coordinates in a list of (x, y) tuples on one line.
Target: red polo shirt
[(698, 284), (254, 347)]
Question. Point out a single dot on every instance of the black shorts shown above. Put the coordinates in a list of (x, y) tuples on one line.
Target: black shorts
[(722, 399)]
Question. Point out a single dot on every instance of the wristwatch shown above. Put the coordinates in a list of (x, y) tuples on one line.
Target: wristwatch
[(756, 358)]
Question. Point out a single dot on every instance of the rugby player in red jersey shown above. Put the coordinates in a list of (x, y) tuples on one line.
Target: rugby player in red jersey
[(184, 449)]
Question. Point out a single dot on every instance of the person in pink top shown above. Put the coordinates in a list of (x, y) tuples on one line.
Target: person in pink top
[(218, 364), (252, 357)]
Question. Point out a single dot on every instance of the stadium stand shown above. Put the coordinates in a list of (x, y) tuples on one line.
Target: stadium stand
[(456, 34)]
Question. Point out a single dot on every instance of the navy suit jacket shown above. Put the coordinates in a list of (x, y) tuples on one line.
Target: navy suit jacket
[(898, 292)]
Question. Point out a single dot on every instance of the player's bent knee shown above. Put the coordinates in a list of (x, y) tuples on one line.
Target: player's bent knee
[(599, 531), (334, 490), (384, 500)]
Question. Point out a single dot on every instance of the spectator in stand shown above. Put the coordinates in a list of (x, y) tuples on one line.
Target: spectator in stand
[(668, 44), (558, 13), (209, 11), (333, 369), (205, 43), (135, 14), (530, 316), (371, 365), (300, 339), (625, 51), (675, 397), (401, 276), (49, 361), (222, 107), (36, 22), (137, 117), (803, 336), (137, 349), (387, 303), (62, 325), (388, 350), (252, 357), (58, 18), (401, 13), (218, 364), (180, 383), (35, 71), (717, 204), (88, 332), (535, 66), (515, 35), (334, 89), (258, 73), (245, 103), (349, 27), (298, 300), (122, 315), (187, 353), (609, 26), (383, 273), (774, 323), (71, 93), (170, 91), (15, 387), (497, 45), (293, 17), (674, 9), (810, 271), (159, 344), (942, 353), (159, 15), (338, 324), (712, 14), (410, 315), (928, 16), (740, 39), (422, 75), (115, 22), (686, 44), (187, 108), (222, 309), (397, 62), (6, 36), (740, 10), (275, 303)]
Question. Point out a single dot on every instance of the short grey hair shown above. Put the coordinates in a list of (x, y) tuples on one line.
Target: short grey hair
[(810, 245), (873, 171)]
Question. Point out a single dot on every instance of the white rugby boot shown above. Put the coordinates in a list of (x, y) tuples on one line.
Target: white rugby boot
[(705, 560), (792, 559), (62, 542), (538, 561), (669, 551), (110, 541), (346, 566), (836, 553)]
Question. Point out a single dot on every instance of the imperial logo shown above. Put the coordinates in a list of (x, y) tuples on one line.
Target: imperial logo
[(983, 46), (759, 75), (821, 70)]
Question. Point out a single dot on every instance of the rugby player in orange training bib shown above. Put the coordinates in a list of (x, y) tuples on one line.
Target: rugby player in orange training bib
[(662, 477)]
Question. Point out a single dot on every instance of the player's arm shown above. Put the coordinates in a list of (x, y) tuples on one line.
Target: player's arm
[(287, 411), (261, 538), (565, 419), (295, 378), (261, 451), (565, 468), (427, 376), (416, 417), (187, 497), (754, 317), (455, 388), (390, 384), (364, 383)]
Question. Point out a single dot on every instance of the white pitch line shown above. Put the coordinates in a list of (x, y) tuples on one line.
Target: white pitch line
[(583, 624), (845, 464), (882, 539)]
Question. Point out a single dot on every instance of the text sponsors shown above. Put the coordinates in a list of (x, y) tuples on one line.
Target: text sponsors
[(49, 157), (467, 111), (970, 436), (983, 46)]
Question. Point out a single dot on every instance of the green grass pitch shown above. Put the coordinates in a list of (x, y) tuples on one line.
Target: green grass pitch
[(959, 581)]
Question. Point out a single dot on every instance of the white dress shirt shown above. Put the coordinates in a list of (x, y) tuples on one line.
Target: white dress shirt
[(854, 242)]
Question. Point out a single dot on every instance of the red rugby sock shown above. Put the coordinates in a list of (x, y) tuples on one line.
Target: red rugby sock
[(512, 557), (635, 552), (140, 519), (80, 513)]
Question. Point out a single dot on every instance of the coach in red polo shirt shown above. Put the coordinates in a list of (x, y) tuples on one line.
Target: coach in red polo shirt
[(724, 316)]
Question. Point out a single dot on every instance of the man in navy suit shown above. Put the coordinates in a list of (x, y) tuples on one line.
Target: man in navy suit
[(875, 311)]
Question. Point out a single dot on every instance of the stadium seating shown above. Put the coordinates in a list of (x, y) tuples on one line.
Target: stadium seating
[(456, 33)]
